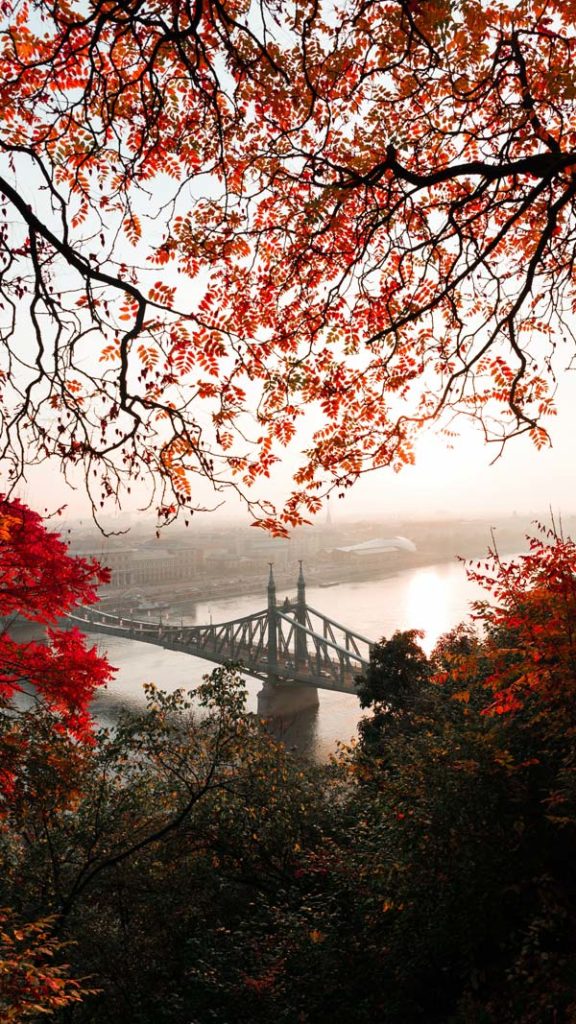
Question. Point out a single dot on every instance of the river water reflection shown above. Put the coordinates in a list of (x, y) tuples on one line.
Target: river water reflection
[(433, 598)]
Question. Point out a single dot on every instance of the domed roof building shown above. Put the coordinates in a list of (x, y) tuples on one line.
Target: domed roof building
[(379, 546)]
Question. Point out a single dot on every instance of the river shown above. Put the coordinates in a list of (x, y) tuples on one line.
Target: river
[(433, 598)]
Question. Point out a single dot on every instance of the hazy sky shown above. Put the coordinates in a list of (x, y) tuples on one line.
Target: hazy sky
[(458, 482), (461, 481)]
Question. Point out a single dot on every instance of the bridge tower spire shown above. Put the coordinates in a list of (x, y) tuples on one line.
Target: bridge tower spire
[(272, 626), (300, 645)]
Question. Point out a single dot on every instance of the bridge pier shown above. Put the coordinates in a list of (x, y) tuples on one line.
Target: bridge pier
[(277, 700)]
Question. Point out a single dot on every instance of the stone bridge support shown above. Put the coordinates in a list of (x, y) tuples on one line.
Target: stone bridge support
[(278, 700)]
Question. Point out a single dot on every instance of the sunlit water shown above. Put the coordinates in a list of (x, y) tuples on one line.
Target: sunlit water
[(434, 599)]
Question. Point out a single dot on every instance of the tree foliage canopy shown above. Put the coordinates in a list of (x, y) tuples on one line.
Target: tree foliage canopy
[(217, 215), (41, 582)]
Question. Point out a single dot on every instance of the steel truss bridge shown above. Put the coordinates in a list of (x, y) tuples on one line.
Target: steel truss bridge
[(286, 643)]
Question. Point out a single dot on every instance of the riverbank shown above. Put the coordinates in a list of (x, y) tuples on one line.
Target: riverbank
[(184, 598)]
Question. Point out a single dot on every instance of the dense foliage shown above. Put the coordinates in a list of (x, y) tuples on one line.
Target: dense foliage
[(40, 582), (220, 216), (185, 867)]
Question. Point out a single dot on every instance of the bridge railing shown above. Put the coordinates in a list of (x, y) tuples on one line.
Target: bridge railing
[(349, 642), (338, 625), (346, 659)]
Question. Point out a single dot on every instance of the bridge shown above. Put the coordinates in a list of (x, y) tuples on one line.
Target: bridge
[(294, 649)]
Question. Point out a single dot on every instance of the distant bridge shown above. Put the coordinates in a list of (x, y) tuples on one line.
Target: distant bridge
[(284, 645)]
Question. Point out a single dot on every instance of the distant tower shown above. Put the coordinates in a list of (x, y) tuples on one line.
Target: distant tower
[(328, 514), (301, 649), (272, 625)]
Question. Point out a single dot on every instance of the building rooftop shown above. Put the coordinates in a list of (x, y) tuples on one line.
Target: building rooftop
[(379, 545)]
